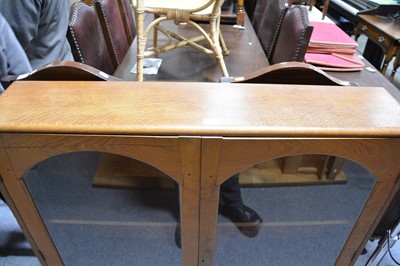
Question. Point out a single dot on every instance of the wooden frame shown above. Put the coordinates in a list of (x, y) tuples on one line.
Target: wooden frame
[(196, 143)]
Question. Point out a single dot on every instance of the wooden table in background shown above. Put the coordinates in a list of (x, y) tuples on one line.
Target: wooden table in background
[(384, 32), (194, 140)]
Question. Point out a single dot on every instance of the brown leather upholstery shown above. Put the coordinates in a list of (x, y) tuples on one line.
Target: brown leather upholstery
[(62, 70), (293, 37), (290, 73), (86, 38), (113, 28), (129, 20), (267, 20), (69, 71)]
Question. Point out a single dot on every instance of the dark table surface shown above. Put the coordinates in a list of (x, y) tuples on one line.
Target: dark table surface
[(246, 56), (187, 64)]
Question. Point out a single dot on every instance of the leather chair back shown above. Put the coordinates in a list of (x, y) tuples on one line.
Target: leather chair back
[(267, 19), (129, 20), (87, 40), (113, 28), (62, 71), (294, 36)]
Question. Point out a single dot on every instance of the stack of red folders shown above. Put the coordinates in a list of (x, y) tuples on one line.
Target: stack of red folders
[(331, 49)]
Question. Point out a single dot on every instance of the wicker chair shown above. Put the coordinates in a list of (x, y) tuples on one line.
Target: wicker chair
[(180, 11)]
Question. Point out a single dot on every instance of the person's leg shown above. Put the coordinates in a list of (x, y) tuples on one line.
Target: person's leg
[(177, 215), (230, 192), (246, 219)]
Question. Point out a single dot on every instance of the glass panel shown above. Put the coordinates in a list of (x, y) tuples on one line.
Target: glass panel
[(91, 221), (304, 223)]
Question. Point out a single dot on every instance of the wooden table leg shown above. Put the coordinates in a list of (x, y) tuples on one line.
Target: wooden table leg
[(21, 204), (395, 66), (190, 200), (209, 200), (388, 57)]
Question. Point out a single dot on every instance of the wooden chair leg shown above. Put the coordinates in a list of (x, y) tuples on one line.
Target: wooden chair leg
[(216, 47), (225, 50), (325, 8), (155, 33), (141, 41)]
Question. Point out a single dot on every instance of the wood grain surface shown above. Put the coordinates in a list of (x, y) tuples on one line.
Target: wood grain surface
[(198, 109)]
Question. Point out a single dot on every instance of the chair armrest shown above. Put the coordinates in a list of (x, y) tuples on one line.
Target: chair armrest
[(62, 70), (292, 73)]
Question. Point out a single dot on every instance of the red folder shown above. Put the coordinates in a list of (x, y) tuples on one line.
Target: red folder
[(322, 50), (335, 62), (329, 35)]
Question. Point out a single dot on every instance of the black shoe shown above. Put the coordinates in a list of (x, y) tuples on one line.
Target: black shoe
[(178, 239), (245, 218), (364, 251)]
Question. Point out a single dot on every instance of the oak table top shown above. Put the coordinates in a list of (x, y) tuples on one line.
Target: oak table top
[(193, 132), (198, 109)]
